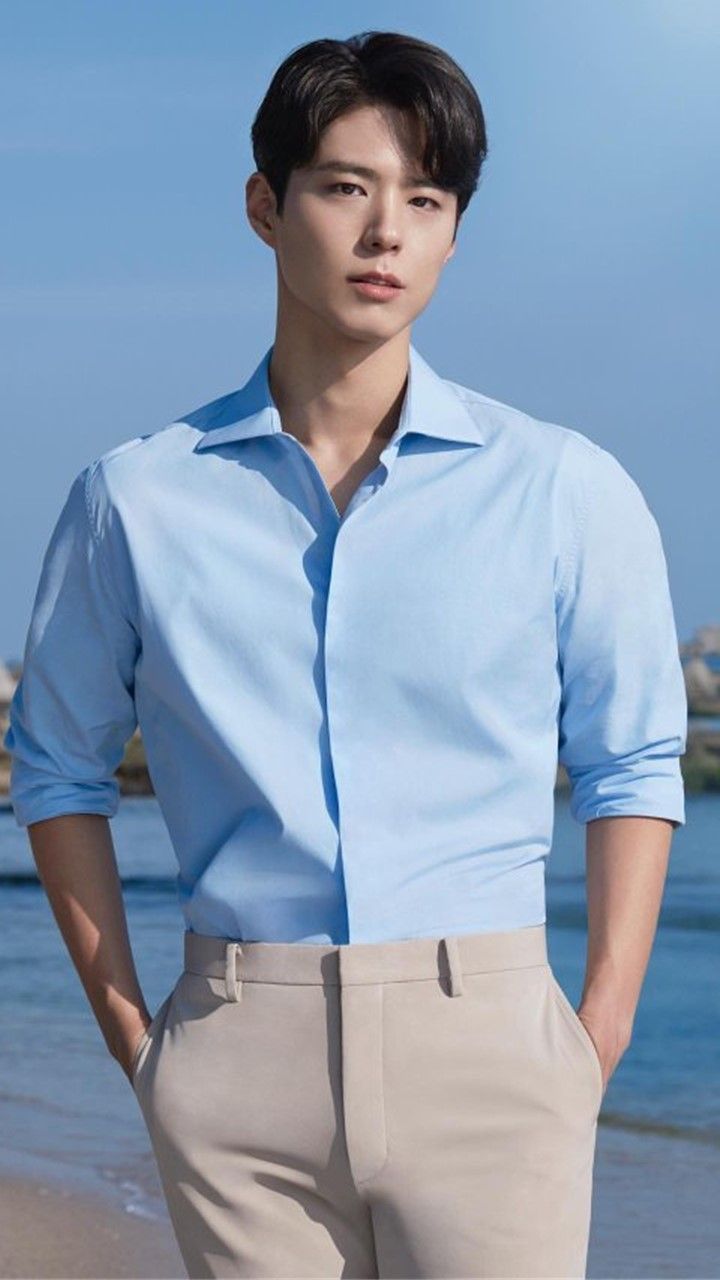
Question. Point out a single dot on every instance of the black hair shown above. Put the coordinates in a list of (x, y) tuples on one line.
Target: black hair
[(324, 79)]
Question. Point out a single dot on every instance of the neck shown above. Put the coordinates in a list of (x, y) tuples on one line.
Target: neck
[(338, 392)]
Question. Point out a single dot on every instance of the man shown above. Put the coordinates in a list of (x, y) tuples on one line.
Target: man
[(358, 610)]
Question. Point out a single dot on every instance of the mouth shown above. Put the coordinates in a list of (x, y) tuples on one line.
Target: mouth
[(385, 279)]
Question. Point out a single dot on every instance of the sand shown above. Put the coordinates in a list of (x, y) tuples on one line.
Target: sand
[(48, 1230)]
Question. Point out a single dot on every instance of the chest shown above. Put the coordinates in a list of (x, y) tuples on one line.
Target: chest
[(435, 587)]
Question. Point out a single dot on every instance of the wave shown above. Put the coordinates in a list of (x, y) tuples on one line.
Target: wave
[(29, 879)]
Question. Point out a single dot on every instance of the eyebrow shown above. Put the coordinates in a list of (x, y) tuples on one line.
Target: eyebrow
[(349, 166)]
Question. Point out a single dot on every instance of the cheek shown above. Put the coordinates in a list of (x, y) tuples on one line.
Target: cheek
[(314, 253), (303, 264), (426, 280)]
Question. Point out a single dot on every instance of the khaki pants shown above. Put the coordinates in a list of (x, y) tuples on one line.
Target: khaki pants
[(422, 1107)]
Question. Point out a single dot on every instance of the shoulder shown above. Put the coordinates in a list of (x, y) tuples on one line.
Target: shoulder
[(582, 465), (512, 427), (143, 464)]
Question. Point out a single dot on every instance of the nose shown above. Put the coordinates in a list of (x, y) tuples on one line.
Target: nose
[(382, 230)]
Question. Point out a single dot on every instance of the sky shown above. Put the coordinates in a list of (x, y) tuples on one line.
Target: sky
[(584, 288)]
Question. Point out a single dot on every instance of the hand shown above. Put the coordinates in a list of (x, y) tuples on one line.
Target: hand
[(609, 1035)]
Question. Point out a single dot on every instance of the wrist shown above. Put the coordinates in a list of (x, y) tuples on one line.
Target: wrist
[(122, 1021), (606, 1001)]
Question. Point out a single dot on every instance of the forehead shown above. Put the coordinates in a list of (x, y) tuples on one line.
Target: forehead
[(372, 131)]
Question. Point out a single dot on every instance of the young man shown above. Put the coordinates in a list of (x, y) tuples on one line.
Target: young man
[(356, 610)]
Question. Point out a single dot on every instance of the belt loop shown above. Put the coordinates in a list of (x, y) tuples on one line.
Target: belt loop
[(233, 984), (454, 965)]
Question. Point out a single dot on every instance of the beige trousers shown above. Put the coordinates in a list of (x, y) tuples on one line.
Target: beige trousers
[(422, 1107)]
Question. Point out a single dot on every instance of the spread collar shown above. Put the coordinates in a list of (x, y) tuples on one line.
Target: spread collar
[(430, 406)]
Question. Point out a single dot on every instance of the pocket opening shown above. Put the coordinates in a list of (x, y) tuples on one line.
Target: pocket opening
[(140, 1055), (581, 1030), (136, 1056)]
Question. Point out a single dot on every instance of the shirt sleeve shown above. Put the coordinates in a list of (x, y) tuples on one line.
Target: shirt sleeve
[(73, 710), (623, 708)]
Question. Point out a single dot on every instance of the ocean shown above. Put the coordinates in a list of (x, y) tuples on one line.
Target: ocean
[(68, 1112)]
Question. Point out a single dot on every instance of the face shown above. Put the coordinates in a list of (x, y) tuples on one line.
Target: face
[(338, 222)]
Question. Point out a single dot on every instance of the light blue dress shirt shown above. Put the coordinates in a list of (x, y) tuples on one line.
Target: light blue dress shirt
[(352, 724)]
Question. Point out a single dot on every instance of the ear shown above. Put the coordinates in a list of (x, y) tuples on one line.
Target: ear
[(453, 246), (259, 206)]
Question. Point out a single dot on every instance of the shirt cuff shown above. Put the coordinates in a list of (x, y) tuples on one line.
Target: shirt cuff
[(52, 802), (611, 796)]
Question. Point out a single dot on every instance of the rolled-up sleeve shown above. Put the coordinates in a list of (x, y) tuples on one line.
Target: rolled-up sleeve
[(623, 708), (73, 709)]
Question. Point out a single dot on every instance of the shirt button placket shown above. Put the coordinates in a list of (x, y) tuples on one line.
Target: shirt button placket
[(343, 685), (342, 681)]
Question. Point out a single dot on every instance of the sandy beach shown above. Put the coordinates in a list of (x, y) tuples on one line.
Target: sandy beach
[(48, 1230)]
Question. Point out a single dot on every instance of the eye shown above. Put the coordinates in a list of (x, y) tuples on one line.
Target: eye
[(355, 187)]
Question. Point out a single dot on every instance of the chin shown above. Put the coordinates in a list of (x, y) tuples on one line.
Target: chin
[(368, 328)]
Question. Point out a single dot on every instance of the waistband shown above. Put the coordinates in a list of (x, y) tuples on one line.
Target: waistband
[(448, 956)]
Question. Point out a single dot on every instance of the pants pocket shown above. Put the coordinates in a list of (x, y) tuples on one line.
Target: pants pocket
[(581, 1034), (146, 1039)]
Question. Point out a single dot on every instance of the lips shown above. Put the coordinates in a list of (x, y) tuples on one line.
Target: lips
[(375, 277)]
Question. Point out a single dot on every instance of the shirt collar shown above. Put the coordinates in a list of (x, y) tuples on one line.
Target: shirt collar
[(430, 406)]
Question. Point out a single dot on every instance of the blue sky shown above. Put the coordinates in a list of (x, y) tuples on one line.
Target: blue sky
[(584, 288)]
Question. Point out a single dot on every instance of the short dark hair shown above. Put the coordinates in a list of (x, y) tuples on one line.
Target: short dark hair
[(324, 79)]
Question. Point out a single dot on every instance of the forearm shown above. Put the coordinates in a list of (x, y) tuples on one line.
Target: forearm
[(76, 863), (626, 868)]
